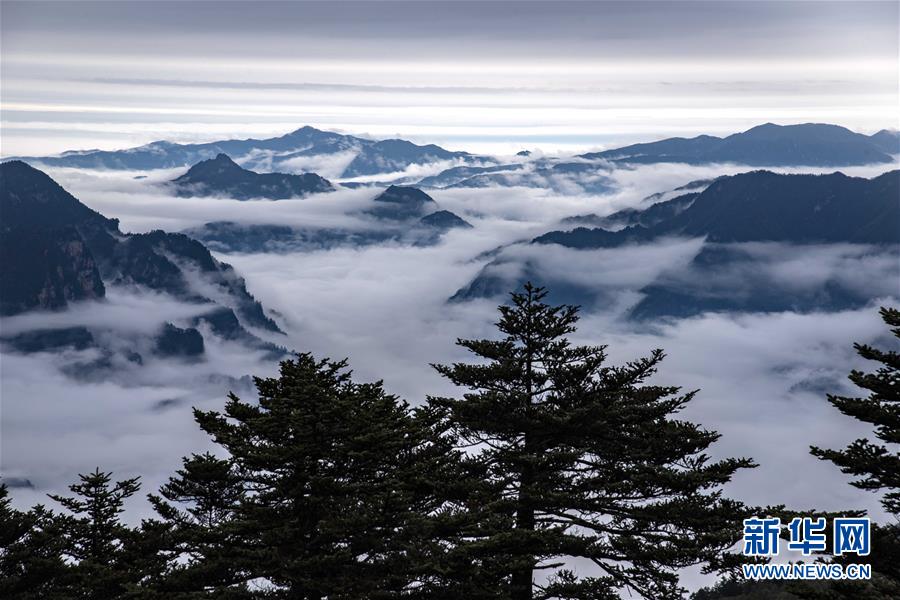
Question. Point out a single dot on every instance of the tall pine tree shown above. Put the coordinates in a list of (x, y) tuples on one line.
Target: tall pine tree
[(345, 492), (95, 542), (875, 465), (31, 553), (590, 465), (191, 540)]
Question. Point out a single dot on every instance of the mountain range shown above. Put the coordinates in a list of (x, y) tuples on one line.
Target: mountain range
[(562, 176), (368, 157), (764, 206), (54, 251), (742, 221), (399, 214), (768, 145), (808, 144), (221, 176)]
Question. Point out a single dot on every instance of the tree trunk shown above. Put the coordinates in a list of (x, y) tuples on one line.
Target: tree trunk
[(525, 523), (522, 577)]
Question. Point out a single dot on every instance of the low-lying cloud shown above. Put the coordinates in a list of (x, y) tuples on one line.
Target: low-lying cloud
[(763, 376)]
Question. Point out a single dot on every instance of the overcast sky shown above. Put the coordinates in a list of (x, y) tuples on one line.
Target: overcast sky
[(483, 76)]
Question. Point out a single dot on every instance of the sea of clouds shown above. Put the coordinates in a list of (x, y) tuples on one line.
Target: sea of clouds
[(763, 377)]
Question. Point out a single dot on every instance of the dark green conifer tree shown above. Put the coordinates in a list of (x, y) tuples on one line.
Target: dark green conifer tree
[(343, 490), (875, 465), (594, 473), (738, 588), (31, 560), (191, 540), (94, 540), (207, 486)]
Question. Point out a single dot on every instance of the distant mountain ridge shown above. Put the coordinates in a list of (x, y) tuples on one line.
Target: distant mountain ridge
[(370, 157), (399, 214), (743, 223), (630, 217), (222, 176), (768, 145), (54, 250), (767, 206)]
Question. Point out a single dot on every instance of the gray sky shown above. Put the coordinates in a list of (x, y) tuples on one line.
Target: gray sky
[(484, 76)]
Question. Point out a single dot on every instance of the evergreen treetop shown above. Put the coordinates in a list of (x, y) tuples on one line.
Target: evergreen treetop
[(876, 466), (588, 462)]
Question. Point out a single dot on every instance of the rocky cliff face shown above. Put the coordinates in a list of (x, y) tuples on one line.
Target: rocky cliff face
[(51, 268), (55, 250)]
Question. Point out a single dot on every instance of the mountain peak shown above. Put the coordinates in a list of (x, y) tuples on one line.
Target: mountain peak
[(827, 128), (222, 163), (222, 176), (224, 160), (401, 202), (444, 220), (401, 194), (888, 140), (305, 130), (30, 198), (20, 166)]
